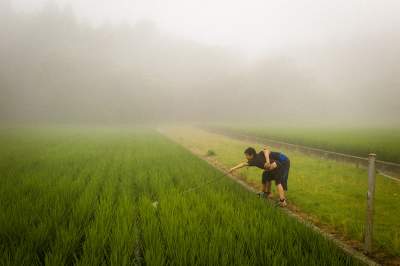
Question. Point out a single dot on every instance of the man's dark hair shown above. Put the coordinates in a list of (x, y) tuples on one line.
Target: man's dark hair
[(250, 151)]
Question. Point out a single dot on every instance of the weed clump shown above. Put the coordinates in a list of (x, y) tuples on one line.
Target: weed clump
[(211, 153)]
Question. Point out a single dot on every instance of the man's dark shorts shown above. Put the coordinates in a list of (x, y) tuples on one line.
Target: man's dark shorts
[(280, 175)]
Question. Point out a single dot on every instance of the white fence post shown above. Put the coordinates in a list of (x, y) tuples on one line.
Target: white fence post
[(370, 204)]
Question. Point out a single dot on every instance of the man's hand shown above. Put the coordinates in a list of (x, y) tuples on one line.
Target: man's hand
[(270, 166), (238, 167)]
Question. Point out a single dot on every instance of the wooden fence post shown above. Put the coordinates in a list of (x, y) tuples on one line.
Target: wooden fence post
[(370, 204)]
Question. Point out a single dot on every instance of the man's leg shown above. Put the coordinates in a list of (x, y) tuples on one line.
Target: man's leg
[(266, 182), (281, 192), (267, 189)]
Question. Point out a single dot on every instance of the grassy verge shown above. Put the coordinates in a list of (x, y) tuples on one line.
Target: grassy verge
[(385, 142), (332, 192), (84, 197)]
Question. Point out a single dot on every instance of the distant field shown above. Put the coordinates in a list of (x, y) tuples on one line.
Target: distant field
[(334, 193), (73, 196), (384, 142)]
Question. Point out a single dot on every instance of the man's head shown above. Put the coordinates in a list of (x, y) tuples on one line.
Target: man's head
[(250, 153)]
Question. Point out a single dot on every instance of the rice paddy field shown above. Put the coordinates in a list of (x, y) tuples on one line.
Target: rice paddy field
[(332, 193), (385, 142), (84, 196)]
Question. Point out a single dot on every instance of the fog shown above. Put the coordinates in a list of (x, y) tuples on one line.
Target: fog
[(200, 61)]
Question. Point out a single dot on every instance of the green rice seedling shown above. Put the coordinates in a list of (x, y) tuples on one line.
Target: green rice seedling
[(124, 239), (86, 199), (152, 243)]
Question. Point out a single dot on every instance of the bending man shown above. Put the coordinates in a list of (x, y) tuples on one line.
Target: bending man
[(276, 167)]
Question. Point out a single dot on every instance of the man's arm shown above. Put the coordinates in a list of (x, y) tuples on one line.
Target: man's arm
[(266, 154), (268, 165), (238, 167)]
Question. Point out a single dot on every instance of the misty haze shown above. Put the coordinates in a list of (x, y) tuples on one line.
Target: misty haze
[(60, 67), (213, 132)]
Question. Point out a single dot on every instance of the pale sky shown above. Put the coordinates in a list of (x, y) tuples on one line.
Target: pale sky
[(252, 27)]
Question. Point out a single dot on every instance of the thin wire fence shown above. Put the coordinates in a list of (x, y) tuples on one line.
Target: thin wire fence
[(389, 170)]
